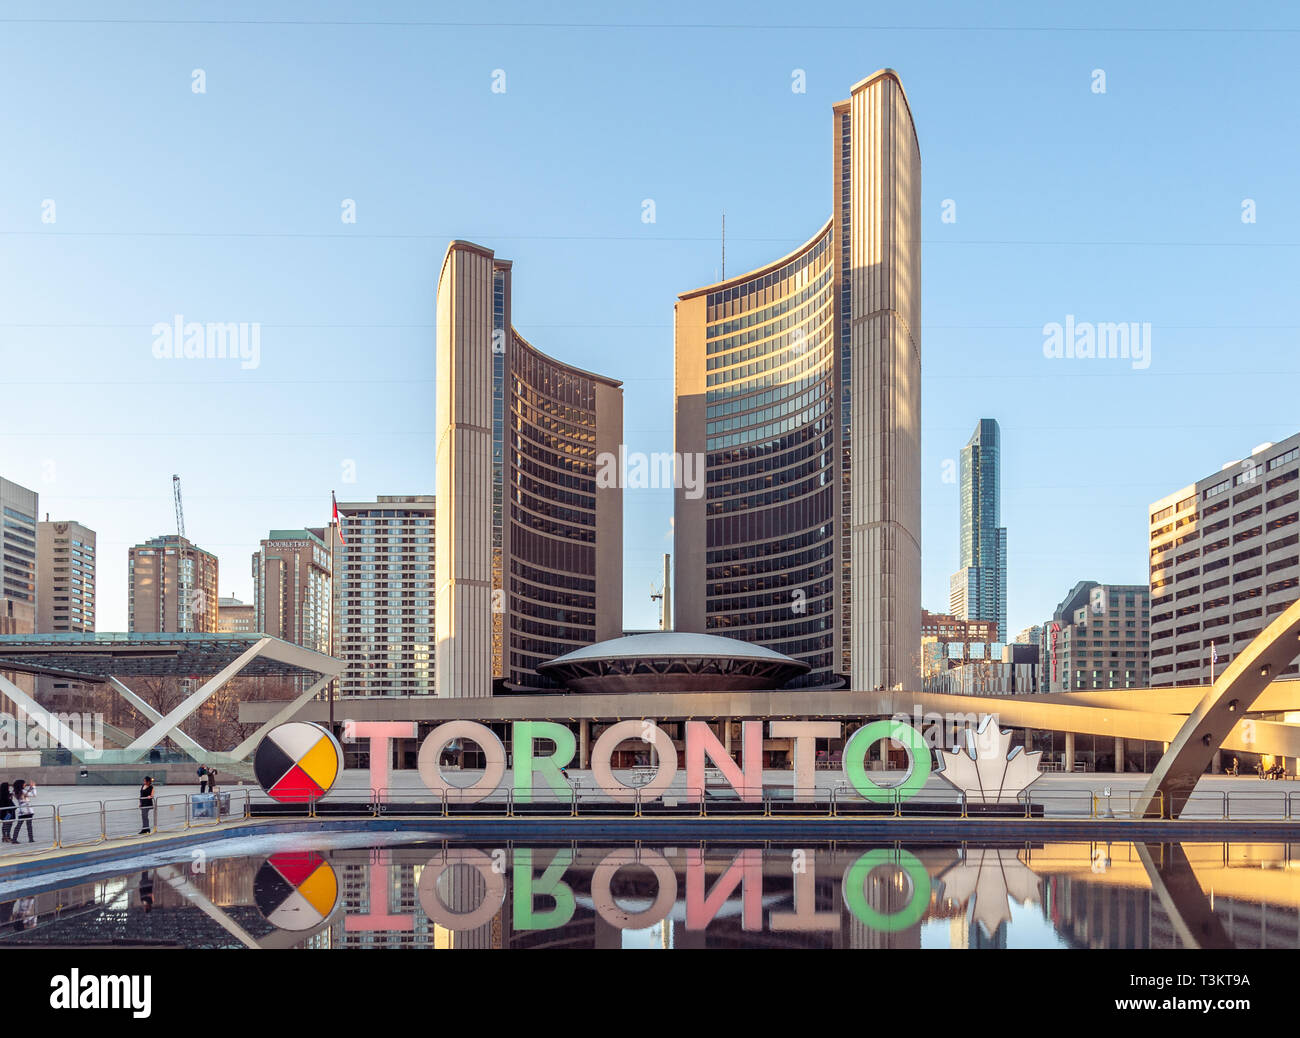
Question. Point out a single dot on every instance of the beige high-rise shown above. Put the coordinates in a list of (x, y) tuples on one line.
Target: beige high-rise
[(65, 576), (529, 548), (171, 586), (800, 382)]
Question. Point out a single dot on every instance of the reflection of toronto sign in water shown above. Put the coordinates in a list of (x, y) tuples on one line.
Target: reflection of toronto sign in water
[(703, 902), (702, 747)]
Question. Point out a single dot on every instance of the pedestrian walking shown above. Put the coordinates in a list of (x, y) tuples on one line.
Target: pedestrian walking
[(146, 804), (24, 793), (203, 779), (6, 810)]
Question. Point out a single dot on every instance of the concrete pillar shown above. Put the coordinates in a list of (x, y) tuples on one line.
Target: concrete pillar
[(1119, 754), (584, 744), (1216, 766), (726, 734), (1069, 751), (1029, 740)]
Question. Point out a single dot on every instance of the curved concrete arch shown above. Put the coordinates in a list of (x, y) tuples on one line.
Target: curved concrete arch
[(1218, 712)]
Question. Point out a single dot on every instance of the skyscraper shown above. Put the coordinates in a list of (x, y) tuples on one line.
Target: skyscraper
[(799, 384), (291, 588), (171, 586), (383, 596), (65, 573), (19, 508), (529, 545), (978, 591)]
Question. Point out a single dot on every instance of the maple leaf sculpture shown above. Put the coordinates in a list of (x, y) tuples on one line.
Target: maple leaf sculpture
[(988, 771)]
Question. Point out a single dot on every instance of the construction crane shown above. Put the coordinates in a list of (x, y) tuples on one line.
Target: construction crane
[(663, 594), (182, 557)]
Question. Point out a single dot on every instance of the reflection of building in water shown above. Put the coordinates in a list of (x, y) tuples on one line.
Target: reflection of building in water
[(1249, 924), (1097, 915)]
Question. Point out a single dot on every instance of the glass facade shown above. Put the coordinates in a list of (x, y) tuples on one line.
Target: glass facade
[(979, 588), (551, 477), (773, 448)]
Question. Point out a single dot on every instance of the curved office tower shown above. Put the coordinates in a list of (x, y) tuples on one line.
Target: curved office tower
[(528, 548), (800, 383)]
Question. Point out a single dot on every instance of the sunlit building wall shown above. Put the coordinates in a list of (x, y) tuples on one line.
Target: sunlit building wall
[(799, 382)]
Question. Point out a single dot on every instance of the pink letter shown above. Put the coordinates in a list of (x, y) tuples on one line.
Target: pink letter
[(701, 742), (381, 735)]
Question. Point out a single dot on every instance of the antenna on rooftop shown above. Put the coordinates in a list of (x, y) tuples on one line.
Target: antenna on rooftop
[(724, 247)]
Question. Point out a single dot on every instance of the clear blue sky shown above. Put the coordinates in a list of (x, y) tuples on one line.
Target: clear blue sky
[(225, 206)]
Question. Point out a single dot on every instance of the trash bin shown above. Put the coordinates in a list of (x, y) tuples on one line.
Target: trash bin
[(204, 805), (223, 804)]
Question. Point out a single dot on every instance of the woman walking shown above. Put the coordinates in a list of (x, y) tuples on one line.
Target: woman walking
[(24, 793), (6, 810)]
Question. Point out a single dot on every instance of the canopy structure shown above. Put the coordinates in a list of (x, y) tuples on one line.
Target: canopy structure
[(211, 659)]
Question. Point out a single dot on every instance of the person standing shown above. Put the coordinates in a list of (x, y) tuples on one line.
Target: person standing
[(6, 810), (203, 779), (146, 804), (23, 794), (212, 780)]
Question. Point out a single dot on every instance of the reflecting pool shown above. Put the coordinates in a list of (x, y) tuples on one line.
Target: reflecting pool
[(449, 895)]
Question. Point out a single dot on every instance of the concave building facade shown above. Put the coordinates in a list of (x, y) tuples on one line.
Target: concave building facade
[(800, 382)]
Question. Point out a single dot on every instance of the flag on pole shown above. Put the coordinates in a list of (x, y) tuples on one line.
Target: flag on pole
[(1214, 652), (335, 501)]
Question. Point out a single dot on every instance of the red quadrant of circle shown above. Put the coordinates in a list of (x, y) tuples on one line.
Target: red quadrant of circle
[(296, 867), (295, 788)]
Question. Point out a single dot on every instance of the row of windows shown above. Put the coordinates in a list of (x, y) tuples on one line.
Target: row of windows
[(806, 308), (751, 294)]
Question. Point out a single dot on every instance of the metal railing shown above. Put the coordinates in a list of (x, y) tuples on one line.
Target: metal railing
[(90, 822)]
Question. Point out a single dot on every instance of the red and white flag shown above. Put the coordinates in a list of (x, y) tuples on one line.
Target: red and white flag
[(337, 521)]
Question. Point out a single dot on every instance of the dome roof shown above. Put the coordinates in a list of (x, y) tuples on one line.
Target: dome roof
[(673, 661)]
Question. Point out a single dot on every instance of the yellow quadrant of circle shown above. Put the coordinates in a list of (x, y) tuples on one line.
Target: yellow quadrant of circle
[(321, 889), (321, 763)]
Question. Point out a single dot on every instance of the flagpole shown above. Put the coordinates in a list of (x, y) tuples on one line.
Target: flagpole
[(333, 534)]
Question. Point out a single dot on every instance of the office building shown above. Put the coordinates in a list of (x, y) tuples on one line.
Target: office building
[(19, 508), (529, 542), (978, 590), (236, 617), (291, 588), (384, 595), (65, 575), (798, 388), (171, 586), (1225, 560), (1098, 637)]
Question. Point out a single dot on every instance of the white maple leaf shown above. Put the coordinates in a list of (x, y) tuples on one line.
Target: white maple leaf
[(988, 771)]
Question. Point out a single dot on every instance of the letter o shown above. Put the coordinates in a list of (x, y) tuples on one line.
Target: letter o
[(439, 912), (618, 791), (609, 910), (432, 747), (855, 895), (918, 756)]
